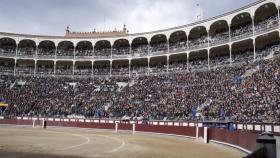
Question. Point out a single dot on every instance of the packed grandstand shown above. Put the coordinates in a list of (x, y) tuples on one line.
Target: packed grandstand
[(223, 68)]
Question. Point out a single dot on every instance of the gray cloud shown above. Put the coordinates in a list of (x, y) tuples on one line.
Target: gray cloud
[(52, 16)]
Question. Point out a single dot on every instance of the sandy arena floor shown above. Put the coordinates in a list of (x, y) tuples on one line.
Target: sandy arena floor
[(73, 143)]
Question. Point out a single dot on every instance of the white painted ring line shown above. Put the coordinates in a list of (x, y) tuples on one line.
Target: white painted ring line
[(88, 140)]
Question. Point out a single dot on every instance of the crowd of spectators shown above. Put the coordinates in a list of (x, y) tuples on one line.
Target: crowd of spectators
[(45, 52), (102, 53), (83, 70), (198, 64), (64, 70), (245, 55), (137, 70), (158, 68), (120, 70), (267, 50), (7, 68), (267, 24), (8, 51), (65, 53), (218, 38), (198, 42), (248, 92), (159, 48), (140, 50), (178, 66), (245, 91), (121, 51), (27, 51), (101, 70), (239, 32), (88, 53), (219, 60), (45, 70), (25, 70), (178, 46)]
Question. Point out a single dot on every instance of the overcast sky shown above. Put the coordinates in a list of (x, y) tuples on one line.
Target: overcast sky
[(50, 17)]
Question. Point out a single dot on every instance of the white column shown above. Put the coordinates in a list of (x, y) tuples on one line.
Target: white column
[(230, 55), (36, 52), (188, 62), (16, 51), (111, 52), (168, 47), (229, 36), (111, 63), (208, 53), (54, 67), (55, 53), (208, 38), (167, 63), (187, 42), (15, 66), (148, 65), (253, 23), (93, 53), (149, 49), (74, 53), (92, 63), (130, 51), (73, 68), (254, 45), (129, 68), (35, 67), (278, 17)]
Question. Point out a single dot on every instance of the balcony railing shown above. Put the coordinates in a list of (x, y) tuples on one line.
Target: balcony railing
[(219, 42), (64, 57), (102, 57), (8, 54), (177, 49), (27, 54), (198, 46), (242, 36), (64, 72), (122, 56), (24, 71), (267, 28), (43, 72), (140, 54), (46, 56), (83, 72), (83, 57)]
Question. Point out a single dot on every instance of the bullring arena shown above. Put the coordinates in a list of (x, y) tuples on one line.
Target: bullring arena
[(90, 143), (108, 138), (145, 141), (206, 89)]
